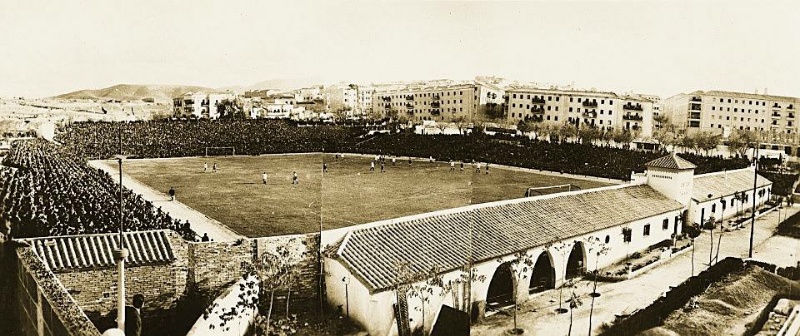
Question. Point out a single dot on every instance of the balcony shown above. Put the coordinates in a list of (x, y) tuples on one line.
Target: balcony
[(587, 103), (537, 109), (776, 106), (696, 99), (633, 117), (188, 102), (537, 100), (410, 97), (590, 114), (694, 115), (776, 115), (436, 112), (409, 106), (790, 116), (410, 112), (387, 99), (695, 107), (435, 104), (790, 107), (436, 97), (387, 106), (637, 107)]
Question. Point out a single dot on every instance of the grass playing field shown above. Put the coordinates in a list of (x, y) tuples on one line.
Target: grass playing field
[(348, 194)]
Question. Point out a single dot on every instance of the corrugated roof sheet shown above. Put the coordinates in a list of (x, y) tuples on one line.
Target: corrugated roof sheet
[(672, 161), (68, 253), (498, 229), (725, 183)]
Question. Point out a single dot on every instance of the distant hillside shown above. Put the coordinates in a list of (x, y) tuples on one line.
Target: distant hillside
[(135, 92), (284, 84)]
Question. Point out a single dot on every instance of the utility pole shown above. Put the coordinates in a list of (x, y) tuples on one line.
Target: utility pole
[(753, 211), (121, 253)]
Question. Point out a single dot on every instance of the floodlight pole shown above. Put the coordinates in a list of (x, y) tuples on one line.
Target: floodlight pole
[(753, 211)]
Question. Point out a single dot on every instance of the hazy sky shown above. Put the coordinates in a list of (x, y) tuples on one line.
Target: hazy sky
[(51, 47)]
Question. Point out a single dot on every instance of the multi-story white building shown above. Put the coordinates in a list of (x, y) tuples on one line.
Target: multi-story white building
[(605, 110), (435, 103), (200, 104), (773, 118)]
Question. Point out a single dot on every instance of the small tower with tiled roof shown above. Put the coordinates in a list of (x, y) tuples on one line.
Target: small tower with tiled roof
[(672, 176)]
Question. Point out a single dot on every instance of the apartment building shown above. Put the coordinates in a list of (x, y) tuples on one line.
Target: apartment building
[(199, 104), (605, 110), (423, 102), (773, 117)]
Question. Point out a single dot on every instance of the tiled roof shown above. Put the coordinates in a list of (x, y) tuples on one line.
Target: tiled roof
[(672, 161), (742, 95), (67, 253), (723, 184), (441, 238)]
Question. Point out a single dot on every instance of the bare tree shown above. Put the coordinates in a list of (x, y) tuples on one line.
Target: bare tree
[(520, 265)]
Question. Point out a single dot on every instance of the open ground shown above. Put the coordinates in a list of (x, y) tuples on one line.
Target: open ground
[(348, 194)]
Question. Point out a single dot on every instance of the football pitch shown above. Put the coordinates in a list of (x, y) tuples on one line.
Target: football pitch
[(348, 194)]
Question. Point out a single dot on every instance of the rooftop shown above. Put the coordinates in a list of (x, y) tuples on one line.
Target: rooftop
[(742, 95), (672, 161), (442, 238), (721, 184), (68, 253)]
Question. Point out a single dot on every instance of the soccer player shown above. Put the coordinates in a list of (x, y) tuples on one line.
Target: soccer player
[(264, 177), (487, 168), (205, 167), (409, 160), (394, 160), (372, 166), (383, 167), (452, 166), (294, 178), (462, 166), (431, 158), (478, 167), (324, 168), (214, 168)]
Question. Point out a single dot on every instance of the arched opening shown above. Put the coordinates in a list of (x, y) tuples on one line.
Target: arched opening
[(501, 288), (544, 274), (576, 263)]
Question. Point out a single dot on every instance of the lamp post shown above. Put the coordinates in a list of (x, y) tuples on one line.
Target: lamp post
[(119, 255)]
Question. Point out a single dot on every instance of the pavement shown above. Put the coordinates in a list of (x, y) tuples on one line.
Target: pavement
[(200, 223), (538, 317)]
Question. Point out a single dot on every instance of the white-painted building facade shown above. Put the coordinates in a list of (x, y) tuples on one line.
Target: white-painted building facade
[(559, 234)]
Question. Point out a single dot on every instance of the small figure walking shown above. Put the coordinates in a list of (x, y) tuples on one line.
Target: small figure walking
[(372, 166), (264, 177), (205, 167), (294, 178), (383, 167), (214, 168), (171, 193), (324, 168)]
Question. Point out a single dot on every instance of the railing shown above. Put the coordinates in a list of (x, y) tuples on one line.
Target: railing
[(694, 115), (637, 107), (776, 106), (409, 106), (589, 103), (790, 116), (634, 117), (590, 114), (696, 99), (695, 107), (435, 112), (537, 109), (776, 115)]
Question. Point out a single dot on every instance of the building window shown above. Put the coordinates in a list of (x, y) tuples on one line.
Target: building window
[(713, 207), (647, 230), (515, 96), (665, 224), (627, 235)]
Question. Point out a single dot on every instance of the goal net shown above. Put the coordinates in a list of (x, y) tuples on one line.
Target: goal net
[(537, 191), (220, 151)]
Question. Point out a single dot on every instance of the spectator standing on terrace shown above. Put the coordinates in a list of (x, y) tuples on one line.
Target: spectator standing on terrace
[(205, 237), (133, 316), (171, 193)]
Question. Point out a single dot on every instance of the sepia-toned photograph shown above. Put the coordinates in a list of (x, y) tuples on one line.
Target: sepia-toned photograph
[(399, 168)]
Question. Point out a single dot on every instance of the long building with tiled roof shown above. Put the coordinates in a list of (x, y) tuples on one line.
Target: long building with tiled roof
[(723, 195)]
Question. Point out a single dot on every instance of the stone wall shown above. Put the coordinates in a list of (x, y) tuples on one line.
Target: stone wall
[(305, 287), (43, 305), (213, 265)]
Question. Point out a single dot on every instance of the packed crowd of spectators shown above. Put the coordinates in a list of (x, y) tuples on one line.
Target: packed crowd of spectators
[(253, 137), (46, 191)]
